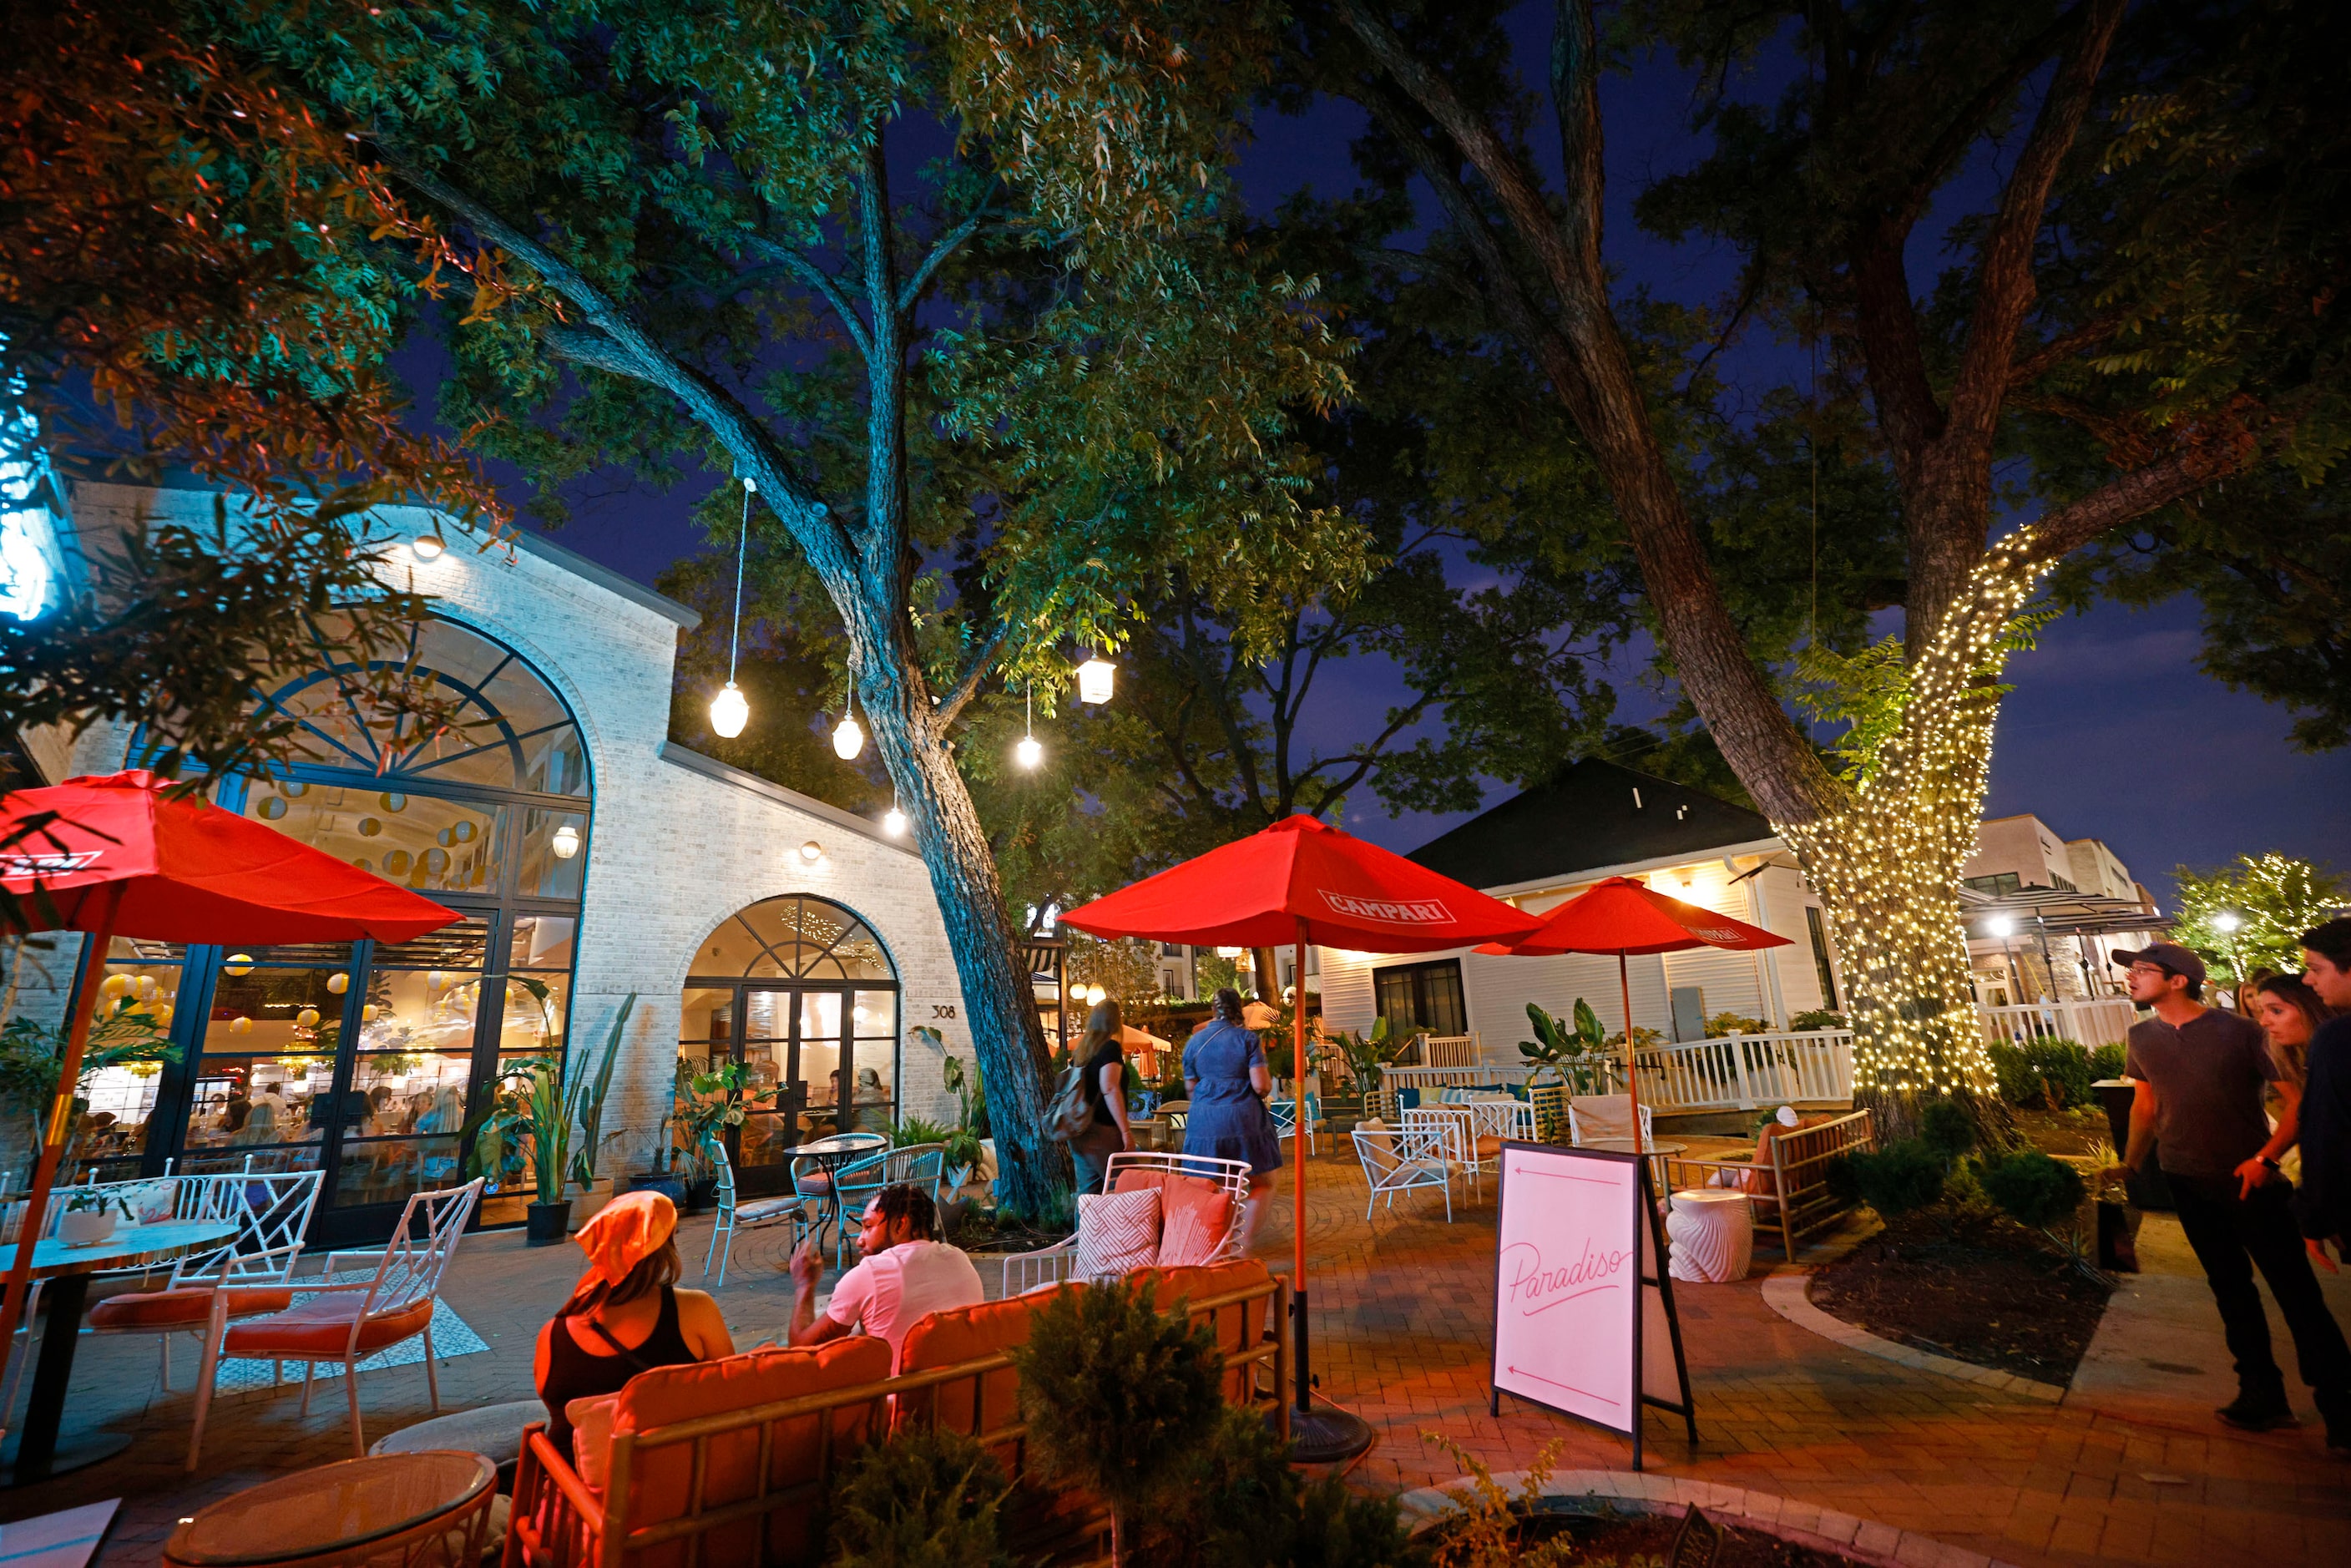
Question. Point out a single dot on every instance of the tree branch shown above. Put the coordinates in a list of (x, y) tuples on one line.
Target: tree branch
[(802, 265), (945, 246), (958, 696), (2004, 290), (2133, 494)]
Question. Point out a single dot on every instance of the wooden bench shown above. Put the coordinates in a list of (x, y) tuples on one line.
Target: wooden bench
[(1790, 1190), (747, 1485)]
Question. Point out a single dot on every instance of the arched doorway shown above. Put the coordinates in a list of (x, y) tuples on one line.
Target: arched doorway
[(367, 1060), (802, 992)]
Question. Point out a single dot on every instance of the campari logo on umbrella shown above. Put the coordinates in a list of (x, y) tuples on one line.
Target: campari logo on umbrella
[(16, 866), (1389, 910)]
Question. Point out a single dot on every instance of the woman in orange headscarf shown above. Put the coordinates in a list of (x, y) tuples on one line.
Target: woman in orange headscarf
[(625, 1316)]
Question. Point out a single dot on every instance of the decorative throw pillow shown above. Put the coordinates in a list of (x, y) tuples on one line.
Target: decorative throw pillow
[(1195, 1216), (592, 1417), (1118, 1232)]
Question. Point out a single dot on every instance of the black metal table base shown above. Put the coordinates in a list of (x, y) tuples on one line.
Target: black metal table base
[(75, 1455)]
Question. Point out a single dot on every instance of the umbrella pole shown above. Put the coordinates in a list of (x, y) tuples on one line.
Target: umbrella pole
[(1632, 1071), (1298, 1185), (53, 1145)]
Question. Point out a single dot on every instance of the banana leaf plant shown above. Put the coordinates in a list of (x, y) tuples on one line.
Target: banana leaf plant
[(1369, 1053), (707, 1103), (546, 1107), (1575, 1054)]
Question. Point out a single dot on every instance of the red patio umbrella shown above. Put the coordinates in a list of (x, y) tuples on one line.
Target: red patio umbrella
[(115, 856), (1301, 881), (1623, 917)]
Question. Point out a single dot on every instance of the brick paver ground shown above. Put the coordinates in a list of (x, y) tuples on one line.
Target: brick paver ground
[(1402, 1335)]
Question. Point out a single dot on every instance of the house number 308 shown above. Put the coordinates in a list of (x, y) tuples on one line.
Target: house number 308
[(942, 1011)]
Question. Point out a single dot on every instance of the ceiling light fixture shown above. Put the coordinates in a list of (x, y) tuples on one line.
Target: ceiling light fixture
[(566, 842)]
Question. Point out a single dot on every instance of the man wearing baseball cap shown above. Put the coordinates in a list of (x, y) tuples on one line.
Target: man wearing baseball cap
[(2198, 1107)]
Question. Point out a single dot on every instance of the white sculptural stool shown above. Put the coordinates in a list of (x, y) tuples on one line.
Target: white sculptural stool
[(1712, 1232)]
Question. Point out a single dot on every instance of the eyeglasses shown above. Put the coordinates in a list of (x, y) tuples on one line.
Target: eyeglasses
[(2157, 970)]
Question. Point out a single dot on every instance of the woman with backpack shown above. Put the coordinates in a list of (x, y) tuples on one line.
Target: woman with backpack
[(1225, 1073), (1100, 1064)]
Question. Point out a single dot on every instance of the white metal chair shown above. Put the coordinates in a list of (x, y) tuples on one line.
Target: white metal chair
[(1285, 1120), (1403, 1160), (254, 1270), (735, 1215), (1503, 1117), (919, 1165), (1592, 1118), (1467, 1148), (1026, 1272), (350, 1323)]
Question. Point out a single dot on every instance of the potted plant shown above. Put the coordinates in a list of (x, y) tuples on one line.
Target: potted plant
[(666, 1173), (1368, 1055), (552, 1111), (1573, 1053), (707, 1103), (89, 1217)]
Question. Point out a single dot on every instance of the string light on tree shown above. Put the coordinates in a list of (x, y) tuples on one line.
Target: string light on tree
[(728, 710)]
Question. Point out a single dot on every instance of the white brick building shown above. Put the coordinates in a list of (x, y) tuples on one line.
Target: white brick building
[(665, 848)]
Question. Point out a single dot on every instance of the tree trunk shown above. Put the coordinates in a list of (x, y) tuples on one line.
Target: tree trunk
[(1269, 976), (998, 1000)]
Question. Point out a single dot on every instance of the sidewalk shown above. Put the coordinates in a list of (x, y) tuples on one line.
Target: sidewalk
[(1401, 1333)]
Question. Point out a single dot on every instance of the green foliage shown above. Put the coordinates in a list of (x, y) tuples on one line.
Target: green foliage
[(1900, 1178), (1369, 1053), (1573, 1053), (2275, 899), (1116, 1393), (1817, 1017), (2106, 1062), (913, 1129), (706, 1102), (1239, 1504), (1722, 1024), (924, 1499), (2033, 1188), (2044, 1074), (1946, 1128), (548, 1108), (1486, 1526)]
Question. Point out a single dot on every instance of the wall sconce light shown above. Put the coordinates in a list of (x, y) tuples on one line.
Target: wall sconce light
[(428, 545), (811, 851)]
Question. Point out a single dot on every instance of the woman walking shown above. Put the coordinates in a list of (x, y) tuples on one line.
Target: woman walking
[(1225, 1076), (1103, 1057)]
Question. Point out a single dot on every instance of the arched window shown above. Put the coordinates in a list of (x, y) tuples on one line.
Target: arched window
[(799, 991), (366, 1059)]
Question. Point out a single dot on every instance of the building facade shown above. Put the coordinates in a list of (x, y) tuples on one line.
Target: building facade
[(607, 880), (2043, 914), (1545, 846)]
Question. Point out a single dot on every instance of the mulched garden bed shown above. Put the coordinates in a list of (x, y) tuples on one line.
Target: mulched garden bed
[(1983, 1290), (984, 1231), (1627, 1539)]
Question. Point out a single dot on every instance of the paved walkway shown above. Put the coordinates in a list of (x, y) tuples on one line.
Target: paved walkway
[(1401, 1332)]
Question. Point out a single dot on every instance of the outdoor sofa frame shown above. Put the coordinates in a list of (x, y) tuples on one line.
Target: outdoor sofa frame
[(560, 1521), (1789, 1193)]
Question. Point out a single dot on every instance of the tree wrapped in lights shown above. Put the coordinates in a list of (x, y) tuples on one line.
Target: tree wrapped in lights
[(2275, 899)]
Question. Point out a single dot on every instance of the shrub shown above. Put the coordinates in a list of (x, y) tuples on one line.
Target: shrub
[(1115, 1394), (922, 1500), (2052, 1074), (1818, 1017), (2033, 1188), (2106, 1061), (1236, 1503), (1901, 1178), (1944, 1126), (1721, 1024), (916, 1130)]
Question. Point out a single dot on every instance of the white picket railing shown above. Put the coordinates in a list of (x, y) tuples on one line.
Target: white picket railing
[(2094, 1021)]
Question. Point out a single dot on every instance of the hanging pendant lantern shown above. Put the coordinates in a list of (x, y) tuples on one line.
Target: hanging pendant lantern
[(1028, 754), (728, 711), (893, 822), (1095, 677), (848, 738)]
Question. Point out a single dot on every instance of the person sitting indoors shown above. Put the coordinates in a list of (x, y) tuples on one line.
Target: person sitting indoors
[(626, 1314), (906, 1273)]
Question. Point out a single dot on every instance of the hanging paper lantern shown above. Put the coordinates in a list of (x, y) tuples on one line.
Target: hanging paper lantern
[(307, 1017), (337, 983), (238, 964)]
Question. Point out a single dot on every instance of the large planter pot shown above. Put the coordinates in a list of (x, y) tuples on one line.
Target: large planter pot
[(666, 1183), (86, 1227), (585, 1204), (544, 1224)]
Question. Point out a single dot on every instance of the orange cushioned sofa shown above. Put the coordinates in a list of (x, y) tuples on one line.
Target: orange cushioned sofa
[(684, 1484)]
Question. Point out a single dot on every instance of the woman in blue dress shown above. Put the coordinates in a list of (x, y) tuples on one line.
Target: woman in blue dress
[(1225, 1075)]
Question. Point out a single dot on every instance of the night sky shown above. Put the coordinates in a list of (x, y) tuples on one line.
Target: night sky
[(2112, 732)]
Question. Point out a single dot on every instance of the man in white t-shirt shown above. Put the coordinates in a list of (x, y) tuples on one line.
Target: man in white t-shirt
[(905, 1275)]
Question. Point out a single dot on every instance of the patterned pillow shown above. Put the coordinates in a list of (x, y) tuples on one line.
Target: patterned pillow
[(1118, 1232), (1198, 1214)]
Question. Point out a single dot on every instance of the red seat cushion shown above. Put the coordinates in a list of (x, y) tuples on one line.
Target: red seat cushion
[(1238, 1327), (990, 1401), (322, 1327), (188, 1306), (1194, 1217)]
